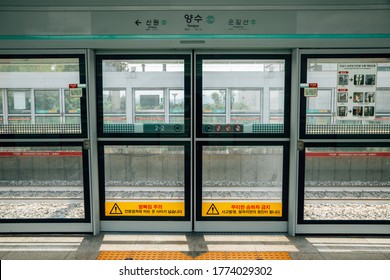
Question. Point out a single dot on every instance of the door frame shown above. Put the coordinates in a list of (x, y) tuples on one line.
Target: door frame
[(333, 227)]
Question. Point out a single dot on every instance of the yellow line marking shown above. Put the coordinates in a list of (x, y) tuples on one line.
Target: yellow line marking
[(172, 255)]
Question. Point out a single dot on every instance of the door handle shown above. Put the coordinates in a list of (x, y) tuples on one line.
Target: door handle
[(300, 145), (86, 144)]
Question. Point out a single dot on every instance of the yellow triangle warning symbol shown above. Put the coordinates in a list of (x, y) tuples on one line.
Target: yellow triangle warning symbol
[(212, 210), (115, 210)]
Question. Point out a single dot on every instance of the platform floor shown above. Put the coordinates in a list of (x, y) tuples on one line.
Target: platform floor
[(88, 247)]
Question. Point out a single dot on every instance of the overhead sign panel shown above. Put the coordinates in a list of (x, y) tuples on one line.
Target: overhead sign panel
[(193, 22)]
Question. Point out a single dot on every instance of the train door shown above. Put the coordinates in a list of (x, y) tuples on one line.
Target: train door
[(144, 141), (242, 142), (344, 135), (44, 185)]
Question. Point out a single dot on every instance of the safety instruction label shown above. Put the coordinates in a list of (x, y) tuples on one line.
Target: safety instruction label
[(241, 209), (356, 91), (142, 208)]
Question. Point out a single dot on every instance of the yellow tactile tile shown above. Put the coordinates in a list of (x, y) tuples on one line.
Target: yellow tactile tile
[(172, 255), (142, 255), (273, 256), (241, 256), (212, 256), (176, 256)]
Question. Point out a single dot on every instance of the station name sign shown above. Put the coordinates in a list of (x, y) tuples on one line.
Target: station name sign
[(193, 22)]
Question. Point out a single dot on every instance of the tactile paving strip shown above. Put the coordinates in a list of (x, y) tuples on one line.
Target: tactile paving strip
[(171, 255), (142, 255)]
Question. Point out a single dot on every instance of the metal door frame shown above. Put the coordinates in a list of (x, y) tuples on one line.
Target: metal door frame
[(244, 225), (51, 226), (360, 227), (148, 223)]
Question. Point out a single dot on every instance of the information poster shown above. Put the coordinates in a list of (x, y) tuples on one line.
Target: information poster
[(356, 91)]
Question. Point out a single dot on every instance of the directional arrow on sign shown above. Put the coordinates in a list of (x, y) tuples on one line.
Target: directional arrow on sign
[(137, 22)]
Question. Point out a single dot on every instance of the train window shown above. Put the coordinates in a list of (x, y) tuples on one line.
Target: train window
[(383, 104), (242, 181), (146, 181), (1, 107), (241, 95), (245, 106), (114, 105), (149, 101), (19, 101), (351, 95), (319, 109), (114, 101), (42, 183), (72, 105), (176, 102), (1, 101), (214, 101), (37, 98), (244, 101), (276, 101), (47, 101), (152, 95), (346, 183)]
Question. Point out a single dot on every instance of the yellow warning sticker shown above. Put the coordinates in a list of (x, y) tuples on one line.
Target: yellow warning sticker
[(141, 208), (242, 209)]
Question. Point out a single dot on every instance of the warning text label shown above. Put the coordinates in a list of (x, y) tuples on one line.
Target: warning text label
[(145, 208), (242, 209)]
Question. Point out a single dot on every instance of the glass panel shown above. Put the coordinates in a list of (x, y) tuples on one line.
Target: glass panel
[(347, 183), (245, 101), (149, 119), (34, 89), (1, 107), (48, 120), (149, 101), (19, 101), (114, 101), (176, 101), (383, 105), (242, 181), (144, 180), (19, 120), (1, 101), (109, 119), (276, 101), (47, 101), (213, 119), (175, 119), (252, 87), (214, 101), (157, 92), (41, 183), (350, 93), (319, 110), (72, 120), (72, 104), (245, 119)]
